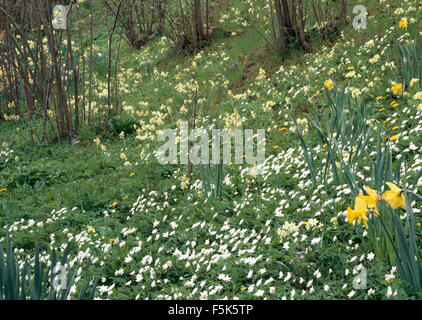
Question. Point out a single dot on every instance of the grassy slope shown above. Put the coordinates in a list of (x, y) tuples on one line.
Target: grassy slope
[(48, 178)]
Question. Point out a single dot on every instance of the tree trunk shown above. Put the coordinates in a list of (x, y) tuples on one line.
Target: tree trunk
[(343, 10), (74, 71), (198, 23), (287, 20), (160, 14), (301, 26), (280, 22), (294, 18), (64, 114)]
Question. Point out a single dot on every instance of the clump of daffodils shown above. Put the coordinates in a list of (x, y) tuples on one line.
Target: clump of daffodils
[(367, 204)]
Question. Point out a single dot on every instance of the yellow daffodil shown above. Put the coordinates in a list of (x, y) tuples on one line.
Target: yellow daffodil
[(371, 199), (359, 213), (394, 196), (397, 88), (329, 84), (113, 204), (403, 23), (3, 190), (394, 138)]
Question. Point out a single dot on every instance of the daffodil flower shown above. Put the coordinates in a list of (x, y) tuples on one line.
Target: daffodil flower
[(397, 88), (359, 213), (394, 196), (371, 199), (329, 84), (403, 23)]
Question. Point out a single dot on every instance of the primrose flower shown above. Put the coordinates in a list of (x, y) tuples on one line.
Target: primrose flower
[(394, 196), (91, 229), (418, 96), (185, 181)]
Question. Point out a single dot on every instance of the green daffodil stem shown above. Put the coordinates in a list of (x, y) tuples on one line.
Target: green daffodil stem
[(390, 237), (382, 199)]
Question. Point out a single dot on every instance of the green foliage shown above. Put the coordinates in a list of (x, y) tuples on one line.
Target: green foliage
[(122, 123), (17, 282), (410, 58), (344, 135), (212, 179), (279, 235), (406, 249)]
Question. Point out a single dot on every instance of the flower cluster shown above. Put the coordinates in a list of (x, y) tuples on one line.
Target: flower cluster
[(367, 204)]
